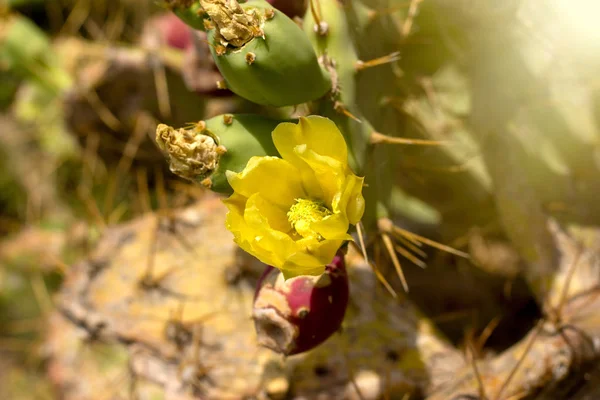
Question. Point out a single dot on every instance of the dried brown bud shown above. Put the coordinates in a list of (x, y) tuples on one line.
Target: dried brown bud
[(235, 26), (192, 154)]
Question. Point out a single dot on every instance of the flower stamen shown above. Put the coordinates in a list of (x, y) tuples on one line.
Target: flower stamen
[(303, 213)]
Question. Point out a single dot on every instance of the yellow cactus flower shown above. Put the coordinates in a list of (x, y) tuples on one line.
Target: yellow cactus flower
[(294, 212)]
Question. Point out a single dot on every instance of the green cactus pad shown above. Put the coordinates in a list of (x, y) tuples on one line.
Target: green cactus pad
[(243, 136), (279, 68), (337, 46)]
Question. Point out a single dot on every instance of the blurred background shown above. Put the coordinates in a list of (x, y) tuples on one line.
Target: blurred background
[(83, 84)]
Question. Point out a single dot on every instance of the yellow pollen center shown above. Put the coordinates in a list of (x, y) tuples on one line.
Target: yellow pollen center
[(303, 213)]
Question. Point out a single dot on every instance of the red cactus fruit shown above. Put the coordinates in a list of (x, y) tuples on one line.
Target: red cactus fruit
[(175, 32), (199, 72), (297, 315)]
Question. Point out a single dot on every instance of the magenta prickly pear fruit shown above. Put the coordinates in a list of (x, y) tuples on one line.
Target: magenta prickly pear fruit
[(177, 34), (295, 315), (168, 30), (263, 55)]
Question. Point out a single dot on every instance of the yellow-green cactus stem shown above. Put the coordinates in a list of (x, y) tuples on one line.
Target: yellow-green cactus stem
[(263, 55), (330, 36), (203, 152), (190, 12)]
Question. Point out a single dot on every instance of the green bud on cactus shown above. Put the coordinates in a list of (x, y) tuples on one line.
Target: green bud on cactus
[(263, 55), (190, 12), (204, 152)]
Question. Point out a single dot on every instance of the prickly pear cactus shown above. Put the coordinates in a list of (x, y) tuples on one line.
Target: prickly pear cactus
[(372, 154)]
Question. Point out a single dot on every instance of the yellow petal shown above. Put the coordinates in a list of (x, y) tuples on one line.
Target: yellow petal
[(302, 264), (329, 173), (236, 203), (243, 234), (356, 204), (313, 259), (294, 270), (275, 179), (260, 211), (333, 227), (264, 237), (319, 134), (350, 200)]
